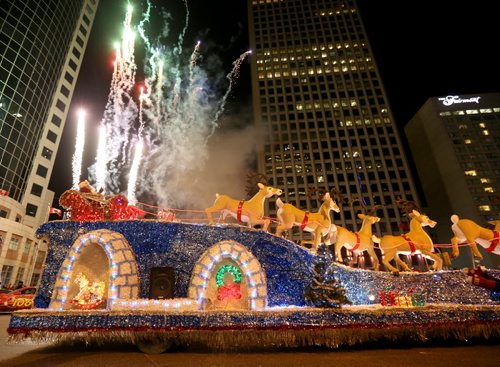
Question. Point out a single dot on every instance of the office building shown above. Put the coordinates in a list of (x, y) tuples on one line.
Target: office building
[(42, 43), (455, 143), (319, 101)]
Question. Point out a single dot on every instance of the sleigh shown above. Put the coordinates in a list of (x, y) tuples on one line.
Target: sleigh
[(94, 206)]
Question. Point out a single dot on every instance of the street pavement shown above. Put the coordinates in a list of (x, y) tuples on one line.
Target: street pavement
[(471, 354)]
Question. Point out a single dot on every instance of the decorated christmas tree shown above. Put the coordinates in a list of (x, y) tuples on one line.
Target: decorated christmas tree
[(325, 289)]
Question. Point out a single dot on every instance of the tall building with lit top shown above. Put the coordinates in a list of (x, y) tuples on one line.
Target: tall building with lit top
[(319, 99), (455, 143), (42, 43)]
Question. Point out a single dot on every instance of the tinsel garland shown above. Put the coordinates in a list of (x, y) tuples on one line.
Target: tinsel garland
[(287, 266), (284, 328)]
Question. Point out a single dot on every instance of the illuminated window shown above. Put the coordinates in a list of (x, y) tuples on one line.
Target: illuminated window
[(485, 180), (471, 173), (471, 112), (488, 189), (482, 124), (484, 208), (468, 141), (485, 110), (321, 179), (485, 132), (14, 243)]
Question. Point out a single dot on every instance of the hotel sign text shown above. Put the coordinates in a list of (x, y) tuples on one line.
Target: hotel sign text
[(449, 100)]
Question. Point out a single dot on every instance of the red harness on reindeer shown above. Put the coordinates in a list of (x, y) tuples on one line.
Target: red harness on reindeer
[(240, 209), (410, 243), (494, 242), (304, 221), (358, 242)]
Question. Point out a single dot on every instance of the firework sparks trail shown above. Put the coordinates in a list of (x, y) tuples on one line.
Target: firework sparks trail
[(78, 155), (141, 119), (119, 114), (232, 76), (194, 59), (159, 83), (100, 166), (131, 189), (145, 19), (134, 169)]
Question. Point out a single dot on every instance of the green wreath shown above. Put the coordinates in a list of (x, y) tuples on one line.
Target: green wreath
[(219, 278)]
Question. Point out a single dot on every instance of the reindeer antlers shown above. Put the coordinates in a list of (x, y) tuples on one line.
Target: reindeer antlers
[(408, 206), (253, 178), (312, 191), (373, 210), (340, 198), (362, 205)]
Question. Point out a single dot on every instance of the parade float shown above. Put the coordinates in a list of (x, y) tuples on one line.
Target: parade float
[(115, 272), (234, 286)]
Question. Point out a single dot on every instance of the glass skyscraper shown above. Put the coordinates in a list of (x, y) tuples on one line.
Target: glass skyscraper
[(42, 45), (319, 100)]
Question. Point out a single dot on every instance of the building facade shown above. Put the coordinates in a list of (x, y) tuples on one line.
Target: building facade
[(43, 44), (319, 101), (455, 143)]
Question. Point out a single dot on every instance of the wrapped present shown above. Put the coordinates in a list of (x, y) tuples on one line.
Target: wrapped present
[(388, 298), (418, 299)]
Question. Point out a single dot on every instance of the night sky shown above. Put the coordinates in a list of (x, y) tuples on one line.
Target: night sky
[(422, 48)]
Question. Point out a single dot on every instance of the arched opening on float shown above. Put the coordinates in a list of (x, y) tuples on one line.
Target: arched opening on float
[(98, 260), (228, 276)]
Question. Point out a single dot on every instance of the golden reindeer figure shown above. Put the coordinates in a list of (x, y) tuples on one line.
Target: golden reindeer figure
[(245, 211), (467, 231), (415, 240), (356, 241), (316, 223)]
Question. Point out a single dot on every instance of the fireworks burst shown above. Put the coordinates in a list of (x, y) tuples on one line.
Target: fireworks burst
[(177, 112)]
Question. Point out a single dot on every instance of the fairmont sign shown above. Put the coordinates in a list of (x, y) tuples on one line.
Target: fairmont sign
[(449, 100)]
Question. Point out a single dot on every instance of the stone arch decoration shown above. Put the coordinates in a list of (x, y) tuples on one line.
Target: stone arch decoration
[(252, 271), (103, 252)]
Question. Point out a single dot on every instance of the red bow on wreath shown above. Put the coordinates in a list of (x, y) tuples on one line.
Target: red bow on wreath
[(231, 290)]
